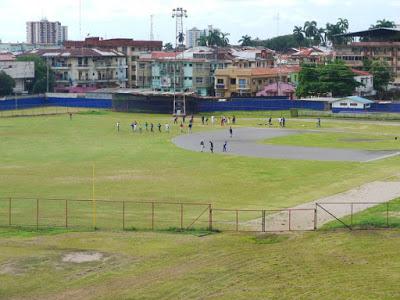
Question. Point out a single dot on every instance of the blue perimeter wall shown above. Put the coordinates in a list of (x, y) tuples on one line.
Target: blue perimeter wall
[(246, 104)]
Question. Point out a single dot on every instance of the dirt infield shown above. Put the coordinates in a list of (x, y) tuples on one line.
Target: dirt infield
[(244, 142)]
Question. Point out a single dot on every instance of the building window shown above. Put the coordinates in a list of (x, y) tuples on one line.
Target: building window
[(220, 81), (353, 104), (242, 83), (199, 79), (233, 81), (343, 104)]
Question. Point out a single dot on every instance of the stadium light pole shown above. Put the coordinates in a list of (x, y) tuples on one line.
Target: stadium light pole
[(178, 14)]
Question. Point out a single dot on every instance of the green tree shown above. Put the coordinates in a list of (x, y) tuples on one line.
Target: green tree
[(333, 32), (224, 39), (298, 35), (383, 24), (283, 42), (168, 47), (334, 78), (382, 75), (203, 40), (7, 84), (246, 40), (39, 83)]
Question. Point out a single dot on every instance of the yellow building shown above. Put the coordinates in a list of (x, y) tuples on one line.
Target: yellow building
[(247, 82)]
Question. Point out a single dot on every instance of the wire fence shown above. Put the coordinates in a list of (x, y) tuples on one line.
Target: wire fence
[(43, 110), (90, 214)]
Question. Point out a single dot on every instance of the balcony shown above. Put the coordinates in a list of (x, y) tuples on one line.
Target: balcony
[(243, 87), (220, 86), (60, 66), (82, 66)]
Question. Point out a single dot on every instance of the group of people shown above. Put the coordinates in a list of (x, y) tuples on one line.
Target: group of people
[(224, 120), (137, 127), (203, 146)]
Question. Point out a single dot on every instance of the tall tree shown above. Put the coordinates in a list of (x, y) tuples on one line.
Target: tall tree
[(333, 32), (382, 75), (333, 78), (39, 83), (310, 30), (298, 34), (7, 84), (203, 40), (224, 39), (383, 24), (246, 40)]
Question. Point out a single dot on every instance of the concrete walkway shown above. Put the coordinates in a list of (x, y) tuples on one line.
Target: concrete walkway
[(244, 142)]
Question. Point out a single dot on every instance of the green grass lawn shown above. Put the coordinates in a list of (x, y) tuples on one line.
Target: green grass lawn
[(374, 141), (385, 215), (143, 265), (52, 157)]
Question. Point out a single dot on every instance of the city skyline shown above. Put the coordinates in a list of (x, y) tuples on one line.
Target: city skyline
[(256, 18)]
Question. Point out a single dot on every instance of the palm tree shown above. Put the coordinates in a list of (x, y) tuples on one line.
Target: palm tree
[(224, 39), (310, 29), (383, 24), (214, 38), (203, 40), (343, 25), (320, 38), (245, 40), (298, 34)]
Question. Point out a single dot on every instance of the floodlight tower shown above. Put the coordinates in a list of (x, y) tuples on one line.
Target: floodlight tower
[(178, 14)]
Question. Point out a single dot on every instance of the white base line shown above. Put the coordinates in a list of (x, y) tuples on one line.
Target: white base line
[(383, 157)]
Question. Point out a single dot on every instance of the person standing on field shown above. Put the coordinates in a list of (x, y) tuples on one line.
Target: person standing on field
[(202, 146), (118, 125), (167, 127), (319, 122), (190, 127), (231, 131), (151, 127), (211, 147), (224, 147), (159, 127)]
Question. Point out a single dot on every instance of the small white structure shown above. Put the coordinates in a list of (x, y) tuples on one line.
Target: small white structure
[(367, 83), (351, 103)]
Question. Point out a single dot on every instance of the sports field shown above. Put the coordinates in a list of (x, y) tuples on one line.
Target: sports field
[(53, 157)]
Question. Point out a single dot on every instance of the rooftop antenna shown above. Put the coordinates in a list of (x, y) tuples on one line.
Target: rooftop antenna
[(151, 27), (80, 19), (277, 19)]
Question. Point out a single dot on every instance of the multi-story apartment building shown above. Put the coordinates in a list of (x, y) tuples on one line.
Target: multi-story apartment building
[(375, 44), (249, 57), (20, 71), (46, 32), (132, 49), (193, 35), (85, 68), (236, 81)]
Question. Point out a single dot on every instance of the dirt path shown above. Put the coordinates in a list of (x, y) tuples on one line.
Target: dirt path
[(339, 205)]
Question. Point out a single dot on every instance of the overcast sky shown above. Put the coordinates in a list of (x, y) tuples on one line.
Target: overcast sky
[(131, 18)]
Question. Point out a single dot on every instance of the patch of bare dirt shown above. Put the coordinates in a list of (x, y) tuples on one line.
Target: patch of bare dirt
[(82, 257)]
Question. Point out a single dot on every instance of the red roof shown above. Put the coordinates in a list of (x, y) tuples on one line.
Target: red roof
[(361, 73), (76, 52), (7, 56)]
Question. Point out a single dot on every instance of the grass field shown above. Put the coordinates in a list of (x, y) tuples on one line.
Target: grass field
[(325, 139), (52, 157), (331, 265)]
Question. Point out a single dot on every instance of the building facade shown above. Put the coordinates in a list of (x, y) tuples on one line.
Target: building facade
[(376, 44), (20, 71), (46, 32), (85, 68), (193, 35), (247, 82), (132, 49)]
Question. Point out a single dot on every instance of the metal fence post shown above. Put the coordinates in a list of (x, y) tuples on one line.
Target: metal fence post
[(210, 220), (123, 215), (9, 211), (387, 214), (315, 218), (66, 213), (351, 216), (152, 215), (37, 214), (237, 220), (263, 221), (181, 216)]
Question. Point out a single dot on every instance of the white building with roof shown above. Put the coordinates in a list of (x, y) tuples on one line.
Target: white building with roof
[(84, 69), (20, 71)]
